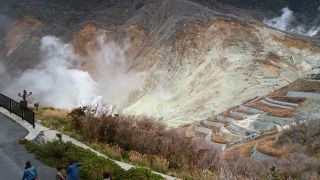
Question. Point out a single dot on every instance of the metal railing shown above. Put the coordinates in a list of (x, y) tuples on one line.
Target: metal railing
[(16, 108)]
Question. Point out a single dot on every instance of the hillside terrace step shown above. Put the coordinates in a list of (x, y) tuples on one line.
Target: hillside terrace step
[(243, 140), (308, 95), (274, 105), (241, 130), (223, 118), (281, 102), (259, 155), (250, 109), (208, 123), (205, 131), (238, 115), (219, 145), (208, 134), (262, 126), (228, 135), (275, 120)]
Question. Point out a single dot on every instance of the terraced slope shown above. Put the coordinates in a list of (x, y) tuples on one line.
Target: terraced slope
[(260, 116)]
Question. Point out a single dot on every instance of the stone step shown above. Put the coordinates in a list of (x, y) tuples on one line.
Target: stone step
[(262, 126), (234, 127), (275, 120), (250, 109), (223, 118), (219, 145), (205, 131), (238, 115), (309, 95), (228, 135), (274, 105), (208, 123), (259, 155), (281, 102)]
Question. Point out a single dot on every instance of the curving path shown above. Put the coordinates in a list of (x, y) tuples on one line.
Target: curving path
[(50, 135), (13, 155)]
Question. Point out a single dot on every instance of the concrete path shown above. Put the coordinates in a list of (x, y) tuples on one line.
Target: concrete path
[(51, 134), (13, 155)]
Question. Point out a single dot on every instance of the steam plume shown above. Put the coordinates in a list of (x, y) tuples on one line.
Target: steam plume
[(59, 81), (116, 83), (56, 82), (287, 22)]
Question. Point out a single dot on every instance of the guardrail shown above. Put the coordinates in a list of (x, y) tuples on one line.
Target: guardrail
[(16, 108)]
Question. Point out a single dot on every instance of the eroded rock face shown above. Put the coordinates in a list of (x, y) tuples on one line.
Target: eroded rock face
[(193, 61)]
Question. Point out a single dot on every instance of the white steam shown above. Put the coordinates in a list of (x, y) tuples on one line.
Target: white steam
[(116, 83), (287, 22), (55, 81), (58, 80)]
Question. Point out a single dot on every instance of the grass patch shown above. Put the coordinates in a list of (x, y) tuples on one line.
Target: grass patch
[(57, 153), (268, 146)]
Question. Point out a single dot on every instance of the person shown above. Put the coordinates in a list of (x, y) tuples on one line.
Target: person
[(106, 176), (61, 175), (30, 173), (72, 171)]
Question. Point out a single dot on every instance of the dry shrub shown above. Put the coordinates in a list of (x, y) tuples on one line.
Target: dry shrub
[(303, 133), (91, 128), (242, 168), (54, 112), (292, 166), (76, 116), (268, 146), (147, 136)]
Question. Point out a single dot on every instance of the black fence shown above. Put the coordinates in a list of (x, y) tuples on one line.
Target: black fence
[(16, 108)]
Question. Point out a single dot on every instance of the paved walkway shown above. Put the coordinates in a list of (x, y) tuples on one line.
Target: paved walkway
[(51, 134), (13, 155)]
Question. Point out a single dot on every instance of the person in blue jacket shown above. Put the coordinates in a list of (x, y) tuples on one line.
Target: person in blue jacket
[(30, 173), (72, 171)]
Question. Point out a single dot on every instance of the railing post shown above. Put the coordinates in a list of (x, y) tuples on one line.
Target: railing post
[(22, 111), (17, 109)]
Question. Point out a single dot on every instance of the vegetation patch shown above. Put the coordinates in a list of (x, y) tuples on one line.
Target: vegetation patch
[(146, 142), (306, 134)]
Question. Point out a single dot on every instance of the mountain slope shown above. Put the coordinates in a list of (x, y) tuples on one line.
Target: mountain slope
[(187, 60)]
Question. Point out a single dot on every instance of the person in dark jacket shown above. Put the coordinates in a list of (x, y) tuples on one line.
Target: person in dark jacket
[(72, 171), (30, 173)]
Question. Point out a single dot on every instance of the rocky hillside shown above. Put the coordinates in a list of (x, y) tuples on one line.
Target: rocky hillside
[(180, 61)]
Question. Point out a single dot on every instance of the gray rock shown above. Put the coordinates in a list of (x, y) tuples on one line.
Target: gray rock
[(309, 95)]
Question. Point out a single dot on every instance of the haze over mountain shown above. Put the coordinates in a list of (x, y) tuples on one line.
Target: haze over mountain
[(177, 60)]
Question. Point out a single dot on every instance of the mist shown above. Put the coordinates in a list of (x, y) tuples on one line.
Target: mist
[(287, 22)]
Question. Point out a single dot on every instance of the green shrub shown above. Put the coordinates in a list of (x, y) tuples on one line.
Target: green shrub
[(75, 116), (139, 174), (57, 153), (306, 134)]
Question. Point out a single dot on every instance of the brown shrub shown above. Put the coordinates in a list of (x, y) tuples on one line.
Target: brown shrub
[(303, 133), (148, 136), (243, 168), (91, 128)]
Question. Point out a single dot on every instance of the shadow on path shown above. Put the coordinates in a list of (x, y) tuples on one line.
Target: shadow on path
[(13, 155)]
